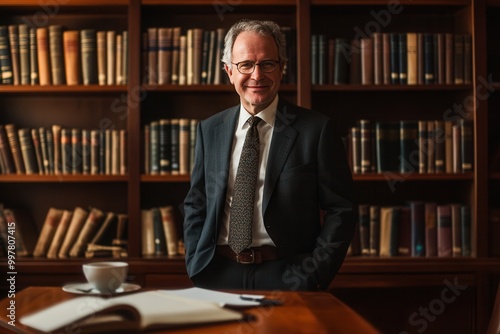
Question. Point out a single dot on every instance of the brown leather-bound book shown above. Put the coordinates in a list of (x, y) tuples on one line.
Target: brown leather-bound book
[(420, 59), (412, 58), (9, 166), (15, 148), (459, 59), (448, 144), (389, 230), (164, 55), (386, 55), (457, 151), (35, 137), (94, 218), (430, 229), (42, 44), (367, 61), (25, 230), (74, 228), (450, 59), (169, 228), (467, 145), (105, 233), (347, 69), (197, 55), (102, 68), (48, 231), (60, 233), (176, 48), (14, 54), (378, 66), (66, 156), (71, 40), (456, 230), (444, 237), (94, 152), (374, 230), (152, 56)]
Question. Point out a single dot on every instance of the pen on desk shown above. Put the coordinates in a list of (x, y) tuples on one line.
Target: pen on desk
[(261, 300)]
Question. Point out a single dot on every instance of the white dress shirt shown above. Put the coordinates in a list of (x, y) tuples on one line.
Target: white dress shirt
[(259, 234)]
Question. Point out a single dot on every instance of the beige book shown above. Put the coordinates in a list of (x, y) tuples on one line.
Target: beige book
[(189, 57), (197, 54), (61, 230), (147, 233), (56, 135), (71, 41), (169, 228), (123, 152), (218, 56), (412, 57), (47, 233), (115, 152), (182, 60), (77, 221), (111, 57), (102, 69), (42, 43), (119, 60), (164, 55), (152, 69), (93, 220)]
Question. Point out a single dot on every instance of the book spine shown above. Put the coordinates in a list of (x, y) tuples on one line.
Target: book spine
[(71, 40), (174, 146), (5, 57), (89, 56), (42, 46), (38, 150), (28, 151), (94, 152), (56, 54), (342, 61), (429, 58), (412, 58), (76, 151), (403, 59), (459, 59), (66, 151), (176, 35), (467, 145), (24, 54), (15, 148), (85, 151), (123, 152), (367, 61), (417, 228), (111, 57), (5, 151), (444, 237), (154, 142), (125, 61), (119, 59), (184, 144), (47, 233), (430, 229), (466, 224), (364, 228), (102, 52), (164, 55), (14, 54), (34, 79), (394, 54), (152, 56), (456, 230), (164, 145)]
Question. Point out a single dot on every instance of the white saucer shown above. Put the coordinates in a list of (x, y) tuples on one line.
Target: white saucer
[(86, 289)]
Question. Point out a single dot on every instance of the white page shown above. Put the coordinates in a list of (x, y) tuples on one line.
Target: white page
[(220, 298)]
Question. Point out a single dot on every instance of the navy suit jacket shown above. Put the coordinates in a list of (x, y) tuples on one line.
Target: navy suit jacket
[(307, 201)]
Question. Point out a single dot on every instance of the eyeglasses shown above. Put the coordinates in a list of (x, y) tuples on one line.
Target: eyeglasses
[(266, 66)]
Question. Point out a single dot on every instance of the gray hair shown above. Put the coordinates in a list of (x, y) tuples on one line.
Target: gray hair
[(264, 28)]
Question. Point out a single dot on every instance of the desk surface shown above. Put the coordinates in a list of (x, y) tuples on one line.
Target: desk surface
[(301, 312)]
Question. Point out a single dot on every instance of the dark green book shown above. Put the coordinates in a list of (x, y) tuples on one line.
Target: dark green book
[(89, 56)]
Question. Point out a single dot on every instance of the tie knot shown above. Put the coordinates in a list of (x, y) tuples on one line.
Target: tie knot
[(253, 121)]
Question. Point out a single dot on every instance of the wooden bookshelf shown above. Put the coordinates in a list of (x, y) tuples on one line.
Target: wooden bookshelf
[(389, 278)]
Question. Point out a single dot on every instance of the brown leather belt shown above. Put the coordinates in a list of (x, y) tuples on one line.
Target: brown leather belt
[(250, 255)]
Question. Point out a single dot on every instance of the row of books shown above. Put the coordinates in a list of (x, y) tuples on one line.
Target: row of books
[(194, 57), (58, 150), (169, 146), (55, 56), (159, 226), (65, 233), (411, 146), (416, 229), (407, 58)]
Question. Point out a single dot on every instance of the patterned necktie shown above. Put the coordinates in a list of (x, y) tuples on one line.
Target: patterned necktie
[(240, 226)]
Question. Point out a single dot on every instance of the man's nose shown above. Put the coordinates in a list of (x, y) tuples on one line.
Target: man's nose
[(257, 73)]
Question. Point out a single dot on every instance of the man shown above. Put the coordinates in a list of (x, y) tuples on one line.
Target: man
[(298, 166)]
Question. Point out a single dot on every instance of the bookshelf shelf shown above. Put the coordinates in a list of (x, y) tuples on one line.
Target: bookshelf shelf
[(11, 178), (86, 107)]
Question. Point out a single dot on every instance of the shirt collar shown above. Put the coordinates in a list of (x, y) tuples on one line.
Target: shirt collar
[(268, 115)]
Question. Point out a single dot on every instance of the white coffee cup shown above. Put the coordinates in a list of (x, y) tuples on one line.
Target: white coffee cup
[(105, 276)]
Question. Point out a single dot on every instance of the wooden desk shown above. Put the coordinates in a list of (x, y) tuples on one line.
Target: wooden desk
[(302, 312)]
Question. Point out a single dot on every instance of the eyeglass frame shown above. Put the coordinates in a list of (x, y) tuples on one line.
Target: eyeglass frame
[(277, 62)]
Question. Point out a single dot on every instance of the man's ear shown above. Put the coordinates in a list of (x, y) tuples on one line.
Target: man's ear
[(229, 71)]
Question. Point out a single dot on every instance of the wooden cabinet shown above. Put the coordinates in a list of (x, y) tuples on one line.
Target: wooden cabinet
[(405, 283)]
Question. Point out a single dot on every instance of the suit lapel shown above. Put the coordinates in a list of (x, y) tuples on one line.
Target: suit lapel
[(281, 143)]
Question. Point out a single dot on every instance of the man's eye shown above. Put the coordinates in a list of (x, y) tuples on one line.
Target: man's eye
[(267, 64), (246, 66)]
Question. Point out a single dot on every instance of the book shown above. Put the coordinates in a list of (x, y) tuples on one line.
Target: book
[(169, 228), (101, 52), (49, 228), (60, 233), (33, 55), (134, 312), (23, 226), (5, 152), (14, 54), (417, 228), (430, 229), (71, 40), (374, 230), (444, 232), (88, 49), (5, 57), (74, 227), (15, 148), (389, 231), (28, 151), (94, 218), (147, 233), (56, 53), (110, 57), (364, 228)]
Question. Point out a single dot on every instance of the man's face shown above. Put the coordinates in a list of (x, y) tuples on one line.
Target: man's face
[(258, 89)]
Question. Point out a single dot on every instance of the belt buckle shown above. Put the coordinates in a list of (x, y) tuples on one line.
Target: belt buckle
[(252, 257)]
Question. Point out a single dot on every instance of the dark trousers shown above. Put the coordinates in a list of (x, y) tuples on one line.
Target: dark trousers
[(223, 274)]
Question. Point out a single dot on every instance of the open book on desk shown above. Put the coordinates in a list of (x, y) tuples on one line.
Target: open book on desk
[(133, 312)]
